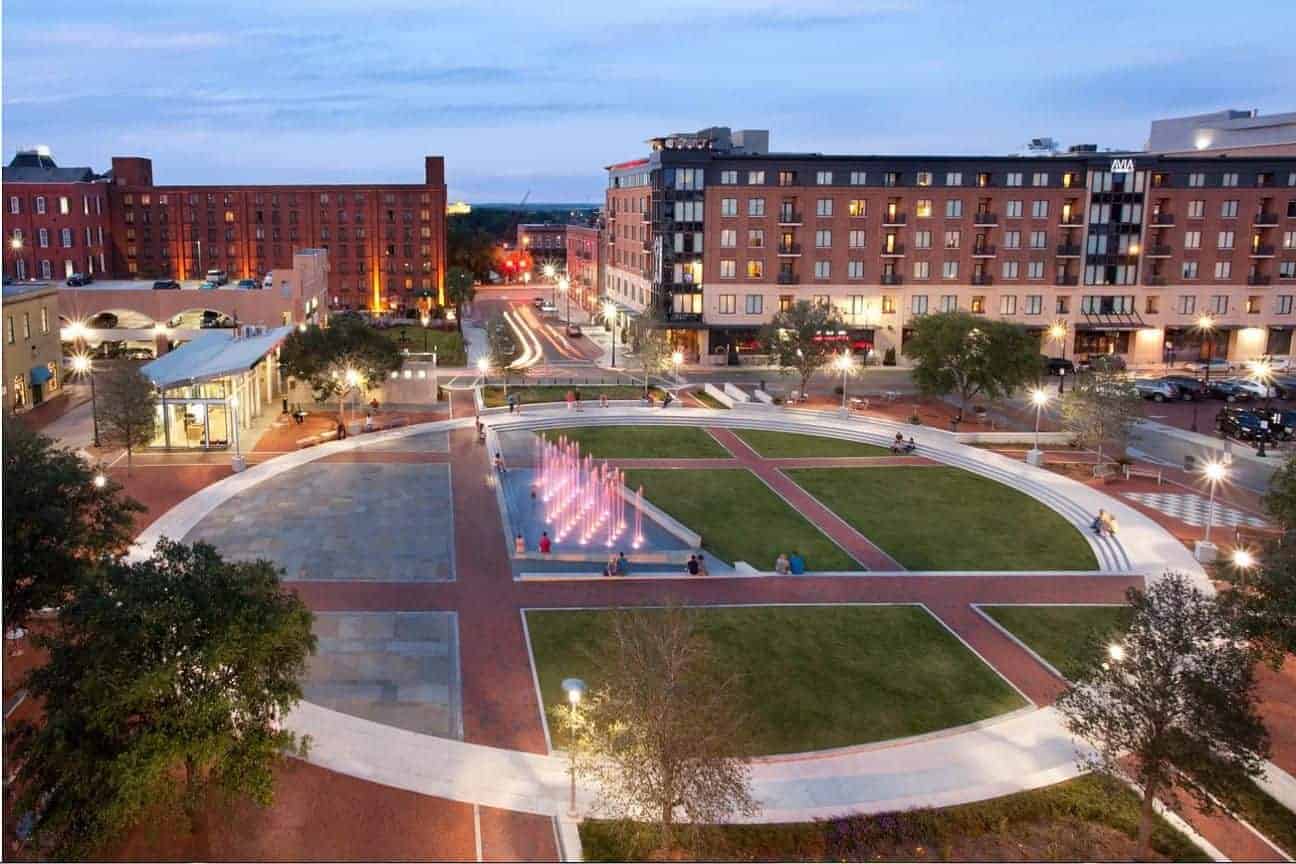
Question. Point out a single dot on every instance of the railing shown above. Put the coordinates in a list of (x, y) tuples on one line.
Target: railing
[(1068, 250), (1258, 279), (986, 219), (1066, 280), (1265, 219), (1262, 251), (1154, 279), (1162, 219), (983, 251), (788, 279), (789, 249), (1072, 221), (982, 279), (896, 250), (1159, 250), (890, 219), (684, 317), (892, 279), (789, 217)]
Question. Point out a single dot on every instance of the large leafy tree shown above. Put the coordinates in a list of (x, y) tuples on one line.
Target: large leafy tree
[(1280, 498), (167, 678), (960, 353), (660, 737), (59, 524), (1101, 410), (795, 338), (1173, 703), (459, 289), (1264, 601), (339, 358), (654, 354), (127, 407), (501, 350)]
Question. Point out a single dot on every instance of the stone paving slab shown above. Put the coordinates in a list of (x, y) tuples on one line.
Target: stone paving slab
[(400, 669), (366, 522), (421, 442)]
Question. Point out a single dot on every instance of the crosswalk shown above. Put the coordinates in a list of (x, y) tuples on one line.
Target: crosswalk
[(1194, 509)]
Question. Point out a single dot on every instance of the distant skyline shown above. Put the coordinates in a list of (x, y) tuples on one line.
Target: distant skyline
[(538, 97)]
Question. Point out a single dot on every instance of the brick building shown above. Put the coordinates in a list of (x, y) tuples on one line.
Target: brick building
[(583, 244), (1127, 250), (32, 372), (386, 242)]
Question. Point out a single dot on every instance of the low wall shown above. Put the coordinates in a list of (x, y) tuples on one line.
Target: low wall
[(736, 393), (719, 395)]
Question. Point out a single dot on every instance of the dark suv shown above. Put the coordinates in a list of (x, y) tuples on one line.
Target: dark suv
[(76, 280), (1244, 424), (1058, 366), (1190, 388), (166, 285)]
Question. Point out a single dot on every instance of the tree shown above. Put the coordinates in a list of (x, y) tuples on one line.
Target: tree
[(500, 348), (654, 353), (957, 352), (661, 736), (127, 409), (59, 526), (166, 679), (1175, 700), (339, 358), (1102, 408), (795, 341), (1280, 498), (459, 289), (1264, 602)]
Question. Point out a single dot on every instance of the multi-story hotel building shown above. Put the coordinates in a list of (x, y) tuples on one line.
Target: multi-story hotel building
[(1128, 250), (386, 242)]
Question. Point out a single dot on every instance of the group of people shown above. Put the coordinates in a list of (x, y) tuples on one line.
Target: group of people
[(903, 447), (793, 564), (617, 565), (697, 565), (1104, 523), (545, 546)]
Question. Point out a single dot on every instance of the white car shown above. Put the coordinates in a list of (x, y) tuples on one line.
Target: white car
[(1253, 387), (549, 308), (1218, 364)]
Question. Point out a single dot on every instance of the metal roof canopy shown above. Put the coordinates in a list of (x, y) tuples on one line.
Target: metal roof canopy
[(1112, 321), (212, 355)]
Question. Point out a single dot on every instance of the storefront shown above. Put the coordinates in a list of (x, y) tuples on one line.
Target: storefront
[(213, 387)]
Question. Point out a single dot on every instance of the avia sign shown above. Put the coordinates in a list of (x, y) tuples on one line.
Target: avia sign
[(1122, 166)]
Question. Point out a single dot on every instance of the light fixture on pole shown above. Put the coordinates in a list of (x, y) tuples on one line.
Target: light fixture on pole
[(1262, 374), (1214, 472), (100, 480), (844, 363), (83, 366), (677, 360), (1058, 333), (564, 286), (238, 463), (610, 316), (1039, 398), (1206, 327), (1243, 562), (575, 689)]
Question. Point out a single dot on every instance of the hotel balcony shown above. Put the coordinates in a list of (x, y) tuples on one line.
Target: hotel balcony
[(892, 279), (1157, 251), (1072, 221), (1068, 250), (990, 219), (982, 279), (1265, 220), (1262, 251), (789, 250), (683, 317), (1155, 279), (789, 217), (788, 279), (1066, 280), (1259, 279), (983, 251), (895, 251), (892, 220), (1163, 220)]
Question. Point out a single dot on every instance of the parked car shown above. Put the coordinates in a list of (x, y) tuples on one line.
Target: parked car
[(1156, 389), (548, 308), (1284, 386), (1253, 387), (1227, 389), (76, 280), (217, 277), (1190, 388), (166, 285), (1109, 362), (1057, 366), (136, 353), (574, 330), (268, 282), (208, 286), (538, 302), (248, 284), (1217, 364), (1243, 424)]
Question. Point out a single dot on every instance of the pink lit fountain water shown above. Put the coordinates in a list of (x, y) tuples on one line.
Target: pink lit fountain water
[(583, 501)]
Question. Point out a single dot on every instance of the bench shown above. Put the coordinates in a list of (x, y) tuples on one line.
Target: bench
[(1132, 471)]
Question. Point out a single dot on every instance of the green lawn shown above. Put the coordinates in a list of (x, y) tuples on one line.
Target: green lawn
[(1067, 636), (739, 517), (1088, 818), (812, 677), (789, 445), (938, 518), (642, 442), (529, 395), (708, 400), (448, 344)]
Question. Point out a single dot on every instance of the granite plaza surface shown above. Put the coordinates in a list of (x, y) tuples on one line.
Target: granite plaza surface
[(357, 522), (396, 668)]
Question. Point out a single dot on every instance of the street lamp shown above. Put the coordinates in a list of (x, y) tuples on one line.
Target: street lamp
[(575, 689), (1243, 562), (844, 363), (1039, 398), (1205, 326), (1057, 333), (677, 360), (100, 481), (1214, 472), (483, 366), (84, 367), (549, 270), (564, 286), (1262, 374), (238, 452), (1116, 652), (609, 315)]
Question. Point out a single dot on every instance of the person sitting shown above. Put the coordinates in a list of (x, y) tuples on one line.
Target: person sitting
[(781, 564), (702, 565), (603, 400), (692, 565), (499, 463), (796, 564), (1103, 523), (667, 399), (519, 544), (898, 445), (545, 545), (911, 445), (611, 568), (622, 564)]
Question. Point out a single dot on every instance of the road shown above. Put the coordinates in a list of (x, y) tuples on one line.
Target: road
[(544, 346)]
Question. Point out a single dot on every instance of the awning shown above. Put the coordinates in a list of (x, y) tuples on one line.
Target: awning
[(40, 374), (212, 355), (1112, 321)]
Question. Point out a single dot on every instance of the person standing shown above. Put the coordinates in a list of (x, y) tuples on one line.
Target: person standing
[(796, 564), (702, 565), (571, 400), (578, 399), (545, 544), (519, 545)]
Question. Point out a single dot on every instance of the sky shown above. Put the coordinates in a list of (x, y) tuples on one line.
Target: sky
[(538, 96)]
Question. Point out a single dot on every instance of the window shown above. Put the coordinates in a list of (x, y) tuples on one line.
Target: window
[(949, 270), (1013, 178), (891, 178), (688, 211), (823, 207), (1284, 304), (857, 208), (1039, 209), (923, 208), (728, 206), (1038, 239), (15, 204), (756, 238), (1039, 178), (1034, 304), (1035, 270), (1014, 210), (755, 178), (854, 269), (1196, 178), (924, 178), (1289, 240), (1228, 210), (728, 268), (9, 332), (1197, 209), (858, 178), (755, 304), (40, 203), (1008, 304), (823, 239), (822, 269), (728, 304), (1063, 305), (755, 269), (1225, 240), (949, 303), (1010, 269), (1187, 304), (823, 178), (855, 239), (686, 179), (1253, 304), (26, 325), (787, 178), (64, 208), (922, 239), (954, 178), (952, 239), (1219, 304), (66, 237), (1190, 269), (1223, 269), (785, 302), (728, 178), (755, 206), (42, 238), (922, 270), (1287, 270), (953, 209), (1229, 178), (918, 304), (1012, 239), (1192, 239)]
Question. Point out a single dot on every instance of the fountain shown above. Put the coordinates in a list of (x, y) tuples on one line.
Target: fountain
[(582, 501)]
